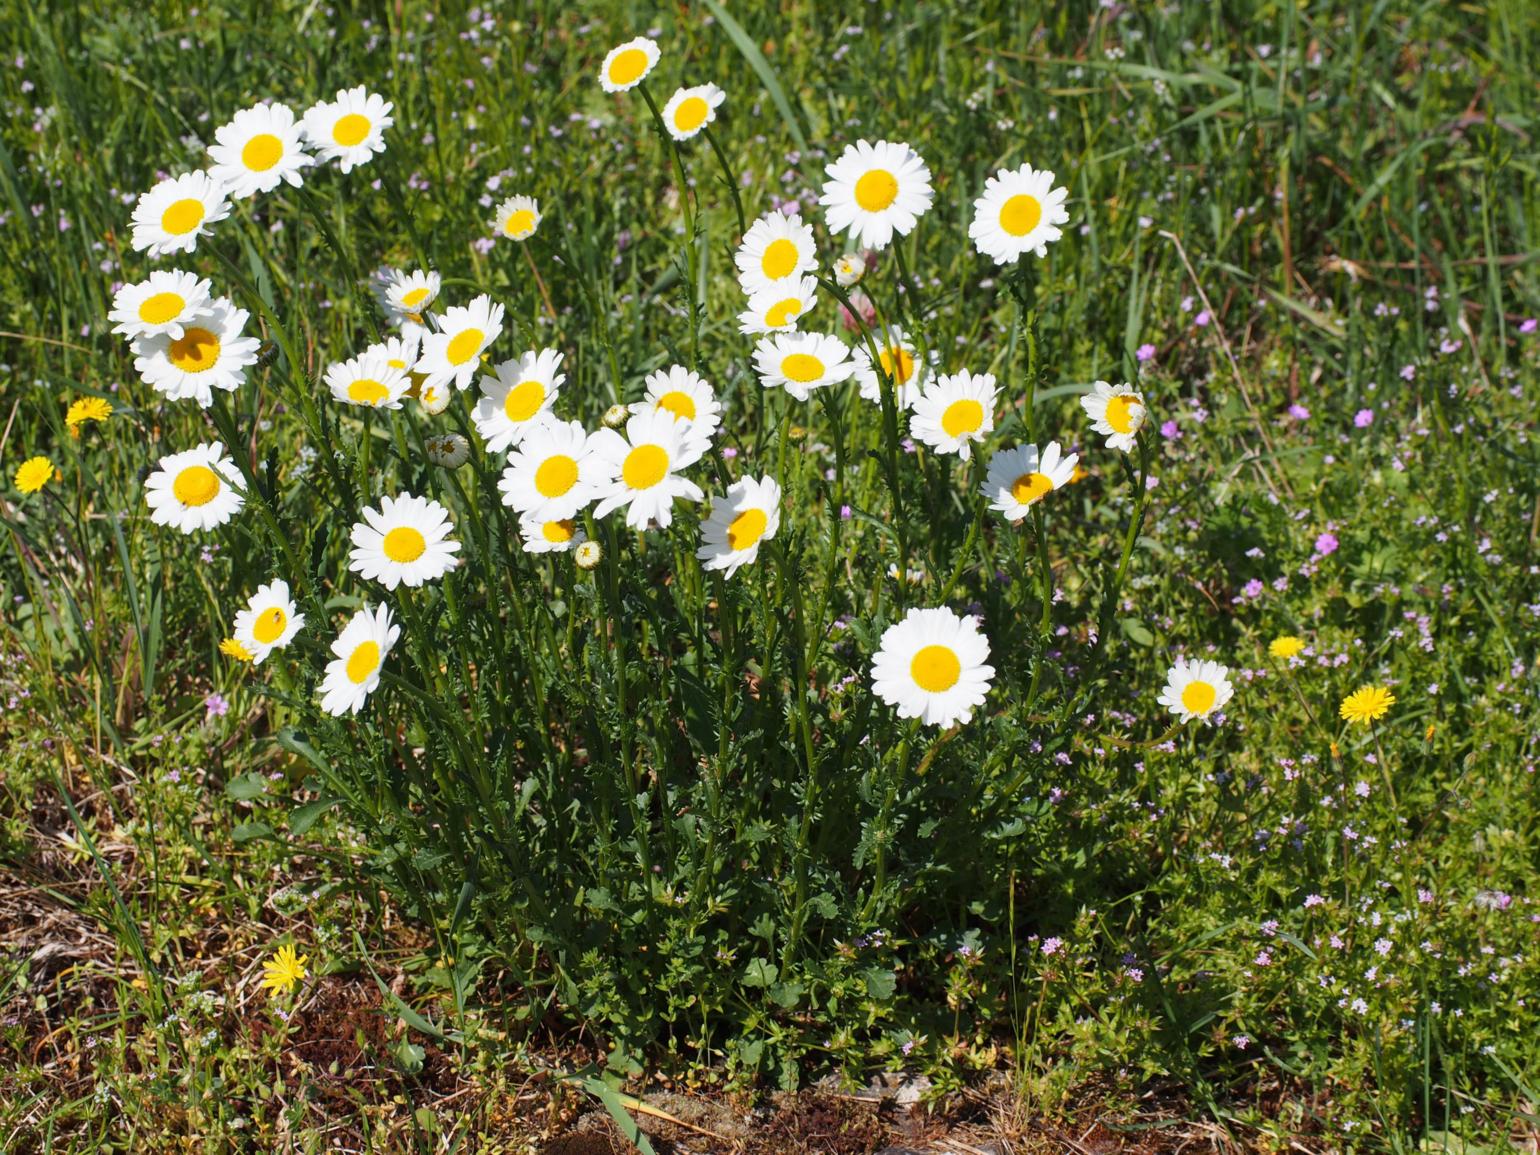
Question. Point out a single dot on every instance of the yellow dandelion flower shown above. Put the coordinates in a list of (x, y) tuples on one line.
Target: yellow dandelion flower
[(34, 473), (231, 648), (284, 971), (1367, 704), (1286, 647), (86, 409), (1428, 736)]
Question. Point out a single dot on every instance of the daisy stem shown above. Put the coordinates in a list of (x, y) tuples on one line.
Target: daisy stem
[(618, 650), (220, 414), (1045, 627), (729, 178), (1141, 501), (671, 147), (884, 818), (914, 310), (1384, 766)]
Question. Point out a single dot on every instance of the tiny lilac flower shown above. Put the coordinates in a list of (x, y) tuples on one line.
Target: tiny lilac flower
[(1146, 352), (1326, 544), (1363, 418)]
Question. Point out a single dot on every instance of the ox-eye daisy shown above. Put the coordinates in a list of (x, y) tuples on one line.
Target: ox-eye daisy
[(954, 411), (259, 149), (637, 471), (369, 380), (355, 672), (551, 474), (175, 213), (196, 489), (453, 354), (749, 513), (779, 307), (775, 252), (447, 451), (549, 535), (876, 190), (801, 362), (1195, 690), (899, 360), (350, 129), (406, 541), (406, 297), (933, 666), (1020, 212), (1021, 477), (628, 64), (517, 397), (517, 218), (691, 109), (269, 621), (162, 303), (1117, 412), (686, 395), (211, 353)]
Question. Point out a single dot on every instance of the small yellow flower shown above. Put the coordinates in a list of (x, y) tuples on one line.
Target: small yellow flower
[(233, 649), (1428, 737), (1286, 647), (284, 971), (86, 409), (34, 473), (1367, 704)]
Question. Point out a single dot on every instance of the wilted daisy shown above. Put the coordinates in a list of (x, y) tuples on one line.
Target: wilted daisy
[(350, 129), (517, 218), (517, 397), (686, 395), (175, 213), (549, 535), (284, 971), (1366, 704), (355, 672), (1021, 477), (1117, 412), (1020, 212), (876, 190), (933, 666), (779, 307), (405, 297), (259, 149), (899, 360), (849, 269), (1194, 690), (551, 475), (434, 398), (448, 451), (749, 513), (211, 353), (801, 362), (588, 555), (196, 489), (34, 473), (776, 249), (453, 354), (86, 409), (405, 542), (954, 411), (368, 380), (628, 64), (691, 109), (159, 304), (637, 471), (269, 621)]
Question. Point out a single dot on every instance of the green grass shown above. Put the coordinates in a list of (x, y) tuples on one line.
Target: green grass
[(648, 820)]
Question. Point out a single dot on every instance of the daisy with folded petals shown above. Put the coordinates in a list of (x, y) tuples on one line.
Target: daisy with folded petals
[(355, 672), (517, 218), (691, 109), (1019, 478), (876, 190), (685, 395), (628, 64), (900, 361), (778, 308), (162, 303), (775, 253), (269, 621), (406, 297), (368, 380), (453, 354), (258, 150), (517, 397), (551, 475), (211, 353), (1117, 412), (933, 666), (955, 411), (637, 472), (1020, 212), (749, 513), (549, 535), (447, 451), (1196, 690), (801, 362), (405, 542), (350, 129), (175, 213), (197, 489)]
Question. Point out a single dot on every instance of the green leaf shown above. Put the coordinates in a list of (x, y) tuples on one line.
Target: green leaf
[(304, 817), (246, 787), (745, 44), (1136, 631), (250, 831), (759, 973)]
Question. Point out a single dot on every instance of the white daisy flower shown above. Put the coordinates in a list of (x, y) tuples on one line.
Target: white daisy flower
[(1117, 412), (448, 451), (162, 303), (1021, 477), (776, 251), (876, 190), (898, 359), (849, 269), (350, 129), (549, 535), (399, 353), (1195, 690), (355, 672), (628, 64), (268, 622), (368, 380), (637, 471), (453, 354), (748, 514), (1020, 212), (518, 397), (210, 354), (196, 489), (434, 398), (259, 149), (954, 411), (801, 362), (405, 542), (932, 666), (686, 395), (517, 218), (552, 473), (406, 297), (691, 109), (779, 307), (175, 213)]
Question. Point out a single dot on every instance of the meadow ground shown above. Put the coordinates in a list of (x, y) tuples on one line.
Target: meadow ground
[(618, 833)]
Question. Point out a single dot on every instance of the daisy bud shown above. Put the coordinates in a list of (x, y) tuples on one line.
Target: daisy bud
[(848, 270), (451, 450), (434, 398), (616, 416), (588, 555)]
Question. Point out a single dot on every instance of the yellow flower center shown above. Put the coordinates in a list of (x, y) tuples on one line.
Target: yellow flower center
[(644, 467), (876, 190), (195, 485), (1020, 214), (350, 129), (367, 392), (935, 669), (363, 661), (160, 308), (1030, 487), (963, 416), (269, 626), (1198, 697), (680, 404), (556, 475), (783, 312), (747, 528), (414, 297), (628, 67), (182, 216), (802, 368), (262, 152), (691, 114), (464, 345), (195, 350), (897, 363), (521, 223), (1120, 412), (558, 532), (524, 400), (779, 259), (404, 544)]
